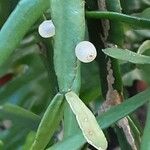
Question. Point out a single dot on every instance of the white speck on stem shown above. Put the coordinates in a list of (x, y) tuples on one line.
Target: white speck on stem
[(85, 119)]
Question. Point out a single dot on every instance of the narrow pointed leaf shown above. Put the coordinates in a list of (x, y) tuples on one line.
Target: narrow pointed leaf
[(145, 145), (127, 55), (49, 123), (29, 140), (115, 16), (19, 115)]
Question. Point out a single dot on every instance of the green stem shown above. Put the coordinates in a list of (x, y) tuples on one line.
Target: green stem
[(132, 20), (95, 28), (48, 62), (70, 30), (116, 36)]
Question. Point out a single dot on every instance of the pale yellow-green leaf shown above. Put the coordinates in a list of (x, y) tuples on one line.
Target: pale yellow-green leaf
[(87, 122)]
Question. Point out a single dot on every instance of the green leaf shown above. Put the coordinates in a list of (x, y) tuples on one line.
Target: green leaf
[(127, 55), (17, 26), (145, 13), (70, 123), (89, 92), (49, 123), (145, 145), (1, 145), (125, 108), (131, 20), (146, 2), (106, 120), (29, 140), (19, 116), (123, 143), (131, 76), (135, 131), (87, 122), (144, 69), (73, 142), (144, 47)]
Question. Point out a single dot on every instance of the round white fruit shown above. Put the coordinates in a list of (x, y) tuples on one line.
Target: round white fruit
[(46, 29), (85, 51)]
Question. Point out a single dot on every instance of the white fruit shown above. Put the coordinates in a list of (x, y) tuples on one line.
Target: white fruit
[(46, 29), (85, 51)]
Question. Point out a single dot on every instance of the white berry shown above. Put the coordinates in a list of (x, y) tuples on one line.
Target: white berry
[(46, 29), (85, 51)]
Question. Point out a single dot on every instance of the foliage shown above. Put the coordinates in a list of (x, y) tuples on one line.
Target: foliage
[(37, 74)]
